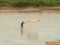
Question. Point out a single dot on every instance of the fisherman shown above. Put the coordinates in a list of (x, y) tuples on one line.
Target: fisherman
[(22, 27)]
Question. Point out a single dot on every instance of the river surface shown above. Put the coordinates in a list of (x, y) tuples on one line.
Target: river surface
[(47, 29)]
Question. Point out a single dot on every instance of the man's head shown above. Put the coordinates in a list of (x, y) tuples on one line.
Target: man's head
[(23, 22)]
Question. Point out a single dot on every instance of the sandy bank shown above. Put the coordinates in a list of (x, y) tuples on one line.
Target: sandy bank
[(29, 9)]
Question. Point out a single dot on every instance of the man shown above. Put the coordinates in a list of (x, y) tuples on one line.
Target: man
[(22, 27)]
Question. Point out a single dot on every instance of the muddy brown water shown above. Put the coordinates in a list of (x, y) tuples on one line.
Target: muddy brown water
[(47, 29)]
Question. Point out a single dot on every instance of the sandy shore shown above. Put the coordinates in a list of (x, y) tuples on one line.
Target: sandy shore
[(29, 9)]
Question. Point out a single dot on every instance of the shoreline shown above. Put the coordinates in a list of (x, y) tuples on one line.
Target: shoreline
[(29, 9)]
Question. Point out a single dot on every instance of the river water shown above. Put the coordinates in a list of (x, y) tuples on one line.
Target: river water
[(47, 29)]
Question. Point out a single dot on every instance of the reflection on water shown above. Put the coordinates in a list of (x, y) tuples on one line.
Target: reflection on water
[(48, 29)]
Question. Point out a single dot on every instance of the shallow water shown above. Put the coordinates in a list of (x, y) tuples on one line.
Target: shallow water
[(48, 29)]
